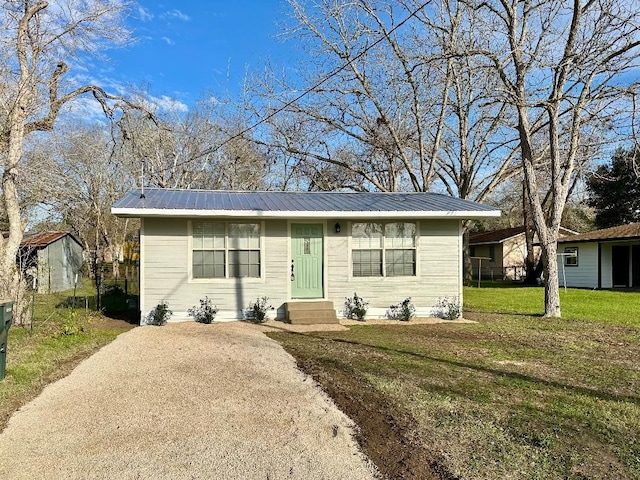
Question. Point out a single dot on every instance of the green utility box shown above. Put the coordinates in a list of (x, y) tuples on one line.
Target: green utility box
[(6, 319)]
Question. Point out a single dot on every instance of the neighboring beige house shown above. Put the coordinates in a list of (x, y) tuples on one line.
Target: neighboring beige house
[(299, 249), (503, 253), (608, 258)]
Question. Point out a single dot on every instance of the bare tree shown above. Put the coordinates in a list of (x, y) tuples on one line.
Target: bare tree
[(379, 107), (191, 150), (86, 178), (561, 66), (38, 40), (398, 108)]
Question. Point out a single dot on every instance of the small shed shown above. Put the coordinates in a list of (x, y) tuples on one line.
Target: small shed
[(53, 259)]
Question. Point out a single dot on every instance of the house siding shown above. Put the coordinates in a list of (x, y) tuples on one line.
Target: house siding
[(166, 257), (585, 274), (165, 250), (437, 271), (72, 263)]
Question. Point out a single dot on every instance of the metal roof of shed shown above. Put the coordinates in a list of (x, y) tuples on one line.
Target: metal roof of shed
[(214, 203), (42, 239)]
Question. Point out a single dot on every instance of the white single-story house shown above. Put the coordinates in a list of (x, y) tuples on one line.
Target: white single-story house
[(608, 258), (502, 254), (301, 250)]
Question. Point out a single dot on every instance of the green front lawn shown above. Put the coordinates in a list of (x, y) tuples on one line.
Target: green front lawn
[(607, 306), (512, 396)]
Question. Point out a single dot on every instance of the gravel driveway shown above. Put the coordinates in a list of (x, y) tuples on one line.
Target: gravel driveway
[(184, 401)]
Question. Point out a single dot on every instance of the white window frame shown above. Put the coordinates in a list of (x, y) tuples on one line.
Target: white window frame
[(384, 248), (227, 249), (570, 253)]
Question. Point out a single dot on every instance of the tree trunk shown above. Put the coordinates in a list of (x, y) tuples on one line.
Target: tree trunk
[(11, 281), (551, 290), (466, 253), (532, 271), (115, 261)]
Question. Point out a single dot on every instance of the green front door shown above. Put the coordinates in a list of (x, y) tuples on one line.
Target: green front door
[(306, 260)]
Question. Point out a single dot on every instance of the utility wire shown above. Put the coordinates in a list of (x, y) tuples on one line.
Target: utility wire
[(315, 86)]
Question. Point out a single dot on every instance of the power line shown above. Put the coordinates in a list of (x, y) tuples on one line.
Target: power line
[(316, 85)]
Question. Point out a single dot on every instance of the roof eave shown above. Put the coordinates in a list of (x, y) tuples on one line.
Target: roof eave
[(493, 242), (599, 240), (160, 212)]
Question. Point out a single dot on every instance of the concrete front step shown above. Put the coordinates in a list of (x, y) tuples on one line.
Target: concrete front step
[(310, 305), (311, 313)]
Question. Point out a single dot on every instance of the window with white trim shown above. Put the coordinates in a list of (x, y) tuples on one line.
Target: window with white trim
[(225, 250), (383, 249), (571, 256)]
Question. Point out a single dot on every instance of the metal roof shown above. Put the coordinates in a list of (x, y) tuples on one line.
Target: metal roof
[(42, 239), (184, 203), (504, 234), (495, 236)]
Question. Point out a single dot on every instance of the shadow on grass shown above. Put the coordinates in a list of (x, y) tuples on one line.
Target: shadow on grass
[(503, 312), (488, 370), (499, 284), (502, 373)]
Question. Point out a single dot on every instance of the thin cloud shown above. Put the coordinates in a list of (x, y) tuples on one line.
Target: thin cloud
[(164, 103), (176, 14), (144, 14), (168, 104), (168, 41)]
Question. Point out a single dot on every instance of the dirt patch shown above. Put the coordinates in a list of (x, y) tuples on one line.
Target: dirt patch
[(385, 429), (122, 324)]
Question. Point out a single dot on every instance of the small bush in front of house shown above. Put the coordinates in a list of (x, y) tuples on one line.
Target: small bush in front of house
[(159, 315), (205, 313), (448, 308), (355, 308), (403, 311), (258, 310)]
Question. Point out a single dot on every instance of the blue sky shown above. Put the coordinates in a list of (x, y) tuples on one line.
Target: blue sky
[(188, 49)]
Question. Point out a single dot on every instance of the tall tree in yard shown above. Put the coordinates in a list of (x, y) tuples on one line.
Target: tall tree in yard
[(38, 40), (561, 65)]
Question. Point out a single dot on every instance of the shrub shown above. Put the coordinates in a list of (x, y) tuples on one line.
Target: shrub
[(448, 308), (71, 325), (159, 315), (205, 313), (355, 308), (257, 310), (404, 311)]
